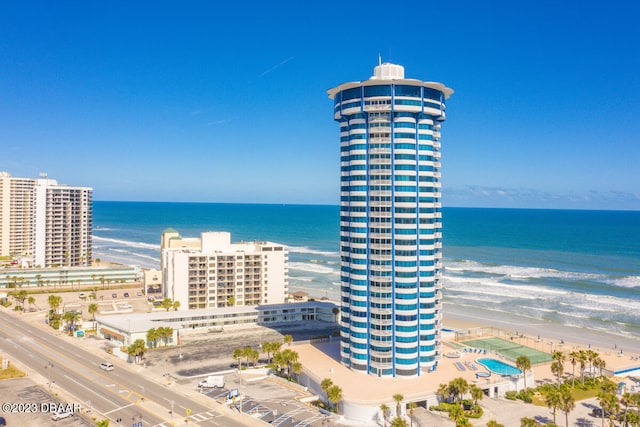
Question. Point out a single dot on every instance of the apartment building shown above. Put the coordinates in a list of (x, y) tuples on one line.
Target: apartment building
[(212, 272), (390, 222), (44, 223)]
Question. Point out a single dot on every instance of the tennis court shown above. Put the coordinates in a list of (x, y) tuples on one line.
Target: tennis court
[(508, 349)]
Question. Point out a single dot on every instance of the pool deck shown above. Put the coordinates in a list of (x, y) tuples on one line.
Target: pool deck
[(322, 361)]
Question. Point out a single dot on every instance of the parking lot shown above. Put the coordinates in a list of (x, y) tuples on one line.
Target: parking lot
[(266, 399), (23, 390)]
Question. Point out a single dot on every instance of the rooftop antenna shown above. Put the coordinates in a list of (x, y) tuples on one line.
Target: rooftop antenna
[(379, 59)]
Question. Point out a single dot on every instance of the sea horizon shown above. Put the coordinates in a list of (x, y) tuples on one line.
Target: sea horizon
[(338, 205), (576, 268)]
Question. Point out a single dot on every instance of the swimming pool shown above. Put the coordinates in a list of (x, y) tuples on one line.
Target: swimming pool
[(498, 367)]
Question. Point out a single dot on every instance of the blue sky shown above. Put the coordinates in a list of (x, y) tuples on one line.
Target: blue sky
[(200, 101)]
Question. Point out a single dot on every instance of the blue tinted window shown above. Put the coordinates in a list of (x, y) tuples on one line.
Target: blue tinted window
[(350, 93), (406, 90), (383, 90)]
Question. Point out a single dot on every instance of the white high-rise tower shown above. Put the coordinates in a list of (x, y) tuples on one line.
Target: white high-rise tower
[(390, 222)]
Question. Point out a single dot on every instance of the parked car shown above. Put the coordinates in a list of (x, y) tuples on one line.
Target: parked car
[(139, 293), (114, 295), (126, 294), (60, 415), (3, 422), (106, 366)]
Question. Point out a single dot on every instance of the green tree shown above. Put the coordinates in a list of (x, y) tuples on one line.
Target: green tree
[(270, 347), (494, 423), (553, 400), (528, 422), (557, 367), (524, 364), (574, 358), (231, 301), (600, 364), (443, 391), (398, 398), (137, 350), (93, 309), (582, 359), (412, 407), (152, 337), (398, 422), (31, 300), (456, 414), (458, 387), (326, 384), (54, 302), (238, 355), (385, 413), (175, 305), (334, 394), (288, 339), (476, 394), (567, 402), (167, 304), (71, 317)]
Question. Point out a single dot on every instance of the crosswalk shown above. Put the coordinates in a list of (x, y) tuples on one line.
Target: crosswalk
[(198, 418)]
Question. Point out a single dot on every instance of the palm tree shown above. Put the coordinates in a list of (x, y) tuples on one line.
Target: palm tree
[(334, 394), (398, 422), (167, 303), (412, 407), (582, 359), (599, 363), (398, 399), (573, 359), (287, 339), (557, 368), (71, 317), (458, 387), (93, 309), (610, 406), (524, 364), (152, 337), (175, 305), (494, 423), (443, 391), (552, 399), (136, 350), (385, 413), (559, 359), (627, 400), (456, 414), (591, 356), (528, 422), (31, 300), (567, 402), (326, 384), (476, 394), (237, 355)]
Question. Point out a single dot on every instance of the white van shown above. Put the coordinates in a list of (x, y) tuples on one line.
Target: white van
[(212, 382)]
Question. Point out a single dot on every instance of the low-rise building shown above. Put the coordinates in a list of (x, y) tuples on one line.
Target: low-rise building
[(125, 329), (212, 272)]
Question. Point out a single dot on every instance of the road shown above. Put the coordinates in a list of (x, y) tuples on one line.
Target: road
[(118, 394)]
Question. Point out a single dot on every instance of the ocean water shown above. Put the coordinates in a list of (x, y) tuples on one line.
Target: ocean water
[(580, 269)]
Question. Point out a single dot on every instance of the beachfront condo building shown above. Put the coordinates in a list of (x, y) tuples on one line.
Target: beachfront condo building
[(211, 272), (43, 223), (390, 222)]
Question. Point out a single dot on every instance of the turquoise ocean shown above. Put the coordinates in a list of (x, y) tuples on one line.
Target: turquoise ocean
[(578, 269)]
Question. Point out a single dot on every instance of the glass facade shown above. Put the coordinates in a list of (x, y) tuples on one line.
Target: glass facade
[(390, 223)]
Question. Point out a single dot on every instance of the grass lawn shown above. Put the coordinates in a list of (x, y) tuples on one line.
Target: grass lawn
[(11, 372), (578, 394)]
